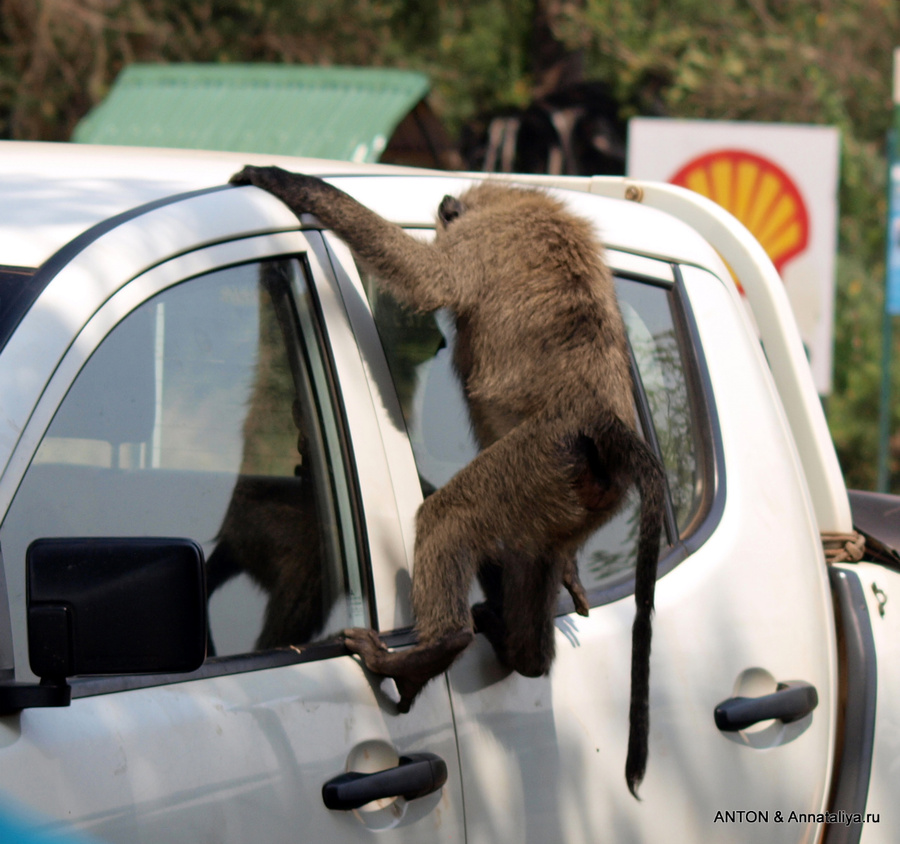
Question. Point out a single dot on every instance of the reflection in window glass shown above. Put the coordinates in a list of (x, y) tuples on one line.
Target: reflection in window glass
[(419, 351), (654, 342), (206, 414), (610, 555)]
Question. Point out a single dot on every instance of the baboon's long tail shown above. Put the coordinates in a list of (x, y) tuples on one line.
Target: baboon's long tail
[(621, 453), (649, 477)]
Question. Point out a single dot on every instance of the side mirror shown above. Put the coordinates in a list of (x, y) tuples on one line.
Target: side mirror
[(109, 606)]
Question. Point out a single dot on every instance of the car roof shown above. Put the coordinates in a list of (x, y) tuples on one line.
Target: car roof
[(52, 192)]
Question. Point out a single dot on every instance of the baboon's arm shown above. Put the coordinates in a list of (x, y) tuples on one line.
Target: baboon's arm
[(417, 273)]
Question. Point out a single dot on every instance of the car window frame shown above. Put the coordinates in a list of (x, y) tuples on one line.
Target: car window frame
[(36, 280), (305, 247)]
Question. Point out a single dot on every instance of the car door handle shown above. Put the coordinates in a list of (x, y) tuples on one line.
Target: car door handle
[(417, 774), (789, 702)]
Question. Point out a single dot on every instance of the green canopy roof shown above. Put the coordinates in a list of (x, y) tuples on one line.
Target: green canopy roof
[(324, 112)]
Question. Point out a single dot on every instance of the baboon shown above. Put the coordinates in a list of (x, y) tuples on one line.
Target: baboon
[(271, 532), (272, 529), (543, 359)]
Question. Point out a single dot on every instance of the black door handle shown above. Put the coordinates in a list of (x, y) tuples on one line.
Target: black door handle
[(789, 702), (417, 774)]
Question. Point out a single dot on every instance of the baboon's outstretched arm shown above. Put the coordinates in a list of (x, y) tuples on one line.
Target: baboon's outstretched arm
[(413, 271)]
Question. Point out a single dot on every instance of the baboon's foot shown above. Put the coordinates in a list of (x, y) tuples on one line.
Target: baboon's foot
[(412, 668), (573, 585)]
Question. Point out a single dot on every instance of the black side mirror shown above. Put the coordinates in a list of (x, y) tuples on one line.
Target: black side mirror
[(109, 606)]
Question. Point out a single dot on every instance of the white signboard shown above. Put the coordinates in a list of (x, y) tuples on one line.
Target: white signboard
[(779, 180)]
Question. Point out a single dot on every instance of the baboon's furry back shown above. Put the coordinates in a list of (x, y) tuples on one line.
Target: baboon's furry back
[(536, 309)]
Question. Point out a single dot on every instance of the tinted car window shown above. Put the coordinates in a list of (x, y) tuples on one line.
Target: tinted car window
[(206, 414), (660, 356)]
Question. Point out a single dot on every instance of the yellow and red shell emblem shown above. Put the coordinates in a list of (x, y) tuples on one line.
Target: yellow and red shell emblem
[(759, 193)]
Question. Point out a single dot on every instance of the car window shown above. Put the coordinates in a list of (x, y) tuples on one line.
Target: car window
[(419, 349), (659, 354), (206, 414), (649, 313)]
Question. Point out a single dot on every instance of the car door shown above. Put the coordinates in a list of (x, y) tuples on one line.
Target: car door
[(742, 603), (191, 377)]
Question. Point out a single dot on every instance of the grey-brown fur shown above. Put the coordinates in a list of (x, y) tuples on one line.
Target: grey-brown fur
[(543, 359)]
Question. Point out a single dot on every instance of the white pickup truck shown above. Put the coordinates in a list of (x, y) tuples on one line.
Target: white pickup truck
[(202, 400)]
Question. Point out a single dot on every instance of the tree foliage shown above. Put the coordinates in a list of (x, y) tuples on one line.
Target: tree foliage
[(822, 61), (59, 57)]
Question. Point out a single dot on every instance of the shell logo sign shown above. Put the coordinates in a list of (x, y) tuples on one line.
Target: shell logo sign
[(781, 181), (758, 192)]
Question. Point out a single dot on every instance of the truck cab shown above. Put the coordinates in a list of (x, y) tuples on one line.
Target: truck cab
[(192, 375)]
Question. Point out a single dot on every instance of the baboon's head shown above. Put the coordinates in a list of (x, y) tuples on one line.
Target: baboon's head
[(496, 197), (483, 196), (450, 209)]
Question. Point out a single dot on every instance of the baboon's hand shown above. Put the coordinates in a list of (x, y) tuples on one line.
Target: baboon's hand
[(262, 177), (298, 191)]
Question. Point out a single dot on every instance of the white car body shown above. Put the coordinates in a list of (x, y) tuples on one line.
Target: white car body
[(240, 749)]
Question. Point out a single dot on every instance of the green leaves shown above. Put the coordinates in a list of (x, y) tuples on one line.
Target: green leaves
[(770, 60)]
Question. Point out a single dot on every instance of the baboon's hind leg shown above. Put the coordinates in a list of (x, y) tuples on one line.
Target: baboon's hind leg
[(445, 562), (524, 637), (526, 473)]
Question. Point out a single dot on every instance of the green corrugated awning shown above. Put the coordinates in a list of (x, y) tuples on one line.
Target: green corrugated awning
[(345, 113)]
